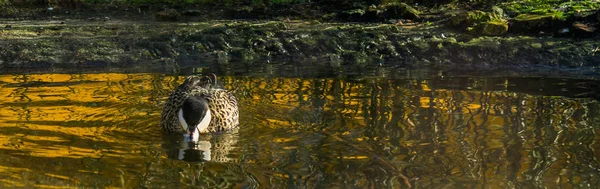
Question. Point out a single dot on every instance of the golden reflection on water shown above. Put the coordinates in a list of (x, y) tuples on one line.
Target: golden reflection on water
[(56, 128), (100, 130)]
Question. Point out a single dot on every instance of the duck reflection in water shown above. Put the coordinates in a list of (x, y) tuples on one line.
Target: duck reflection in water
[(214, 147), (194, 151)]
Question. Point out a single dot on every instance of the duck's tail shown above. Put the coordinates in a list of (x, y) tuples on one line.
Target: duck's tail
[(211, 82)]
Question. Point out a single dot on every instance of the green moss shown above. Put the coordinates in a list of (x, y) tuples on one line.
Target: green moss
[(559, 9), (356, 57), (147, 55), (358, 12), (495, 27), (549, 43), (450, 40), (397, 9), (241, 54), (185, 2), (231, 41), (530, 17), (488, 42), (536, 45), (420, 45), (4, 2), (533, 22), (477, 16), (483, 23)]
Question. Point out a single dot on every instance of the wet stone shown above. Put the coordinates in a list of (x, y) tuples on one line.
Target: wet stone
[(168, 15)]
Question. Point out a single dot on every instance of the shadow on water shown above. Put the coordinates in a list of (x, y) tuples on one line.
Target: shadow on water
[(377, 130)]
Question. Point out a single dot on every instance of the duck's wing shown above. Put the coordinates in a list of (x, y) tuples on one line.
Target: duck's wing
[(235, 112), (232, 100), (168, 119)]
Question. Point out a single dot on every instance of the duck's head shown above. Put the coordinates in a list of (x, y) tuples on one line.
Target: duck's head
[(194, 117)]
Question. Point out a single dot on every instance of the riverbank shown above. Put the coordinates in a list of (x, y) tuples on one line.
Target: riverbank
[(121, 43), (129, 38)]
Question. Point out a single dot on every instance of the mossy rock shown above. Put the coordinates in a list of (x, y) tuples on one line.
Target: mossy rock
[(243, 54), (477, 16), (498, 12), (534, 18), (381, 12), (469, 19), (527, 23), (168, 15), (399, 10), (352, 15), (480, 22), (355, 57), (494, 28), (456, 20)]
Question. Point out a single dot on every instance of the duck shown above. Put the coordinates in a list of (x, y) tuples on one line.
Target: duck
[(198, 106)]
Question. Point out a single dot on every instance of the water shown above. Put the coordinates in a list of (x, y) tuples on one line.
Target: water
[(101, 130)]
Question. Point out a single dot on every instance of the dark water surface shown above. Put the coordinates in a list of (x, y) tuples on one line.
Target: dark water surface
[(101, 130)]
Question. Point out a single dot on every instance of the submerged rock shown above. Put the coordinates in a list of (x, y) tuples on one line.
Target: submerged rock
[(583, 27)]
